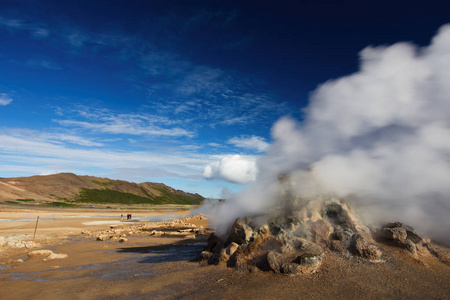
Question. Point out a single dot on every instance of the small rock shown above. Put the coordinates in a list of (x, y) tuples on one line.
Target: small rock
[(205, 255), (123, 240), (190, 237), (39, 253), (231, 248), (201, 230), (2, 241), (101, 238), (56, 256)]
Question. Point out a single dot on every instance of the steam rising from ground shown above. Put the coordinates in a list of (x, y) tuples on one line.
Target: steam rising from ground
[(380, 136)]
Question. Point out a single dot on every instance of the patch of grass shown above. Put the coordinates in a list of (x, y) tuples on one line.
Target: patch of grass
[(61, 204), (109, 183), (145, 192), (167, 197), (107, 196), (110, 196), (25, 200), (11, 202)]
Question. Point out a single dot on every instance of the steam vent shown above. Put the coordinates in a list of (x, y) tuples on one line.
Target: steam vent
[(297, 238)]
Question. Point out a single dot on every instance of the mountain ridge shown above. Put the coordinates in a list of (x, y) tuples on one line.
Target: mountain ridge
[(69, 187)]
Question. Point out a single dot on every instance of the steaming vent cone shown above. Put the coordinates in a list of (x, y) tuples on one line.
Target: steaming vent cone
[(296, 236)]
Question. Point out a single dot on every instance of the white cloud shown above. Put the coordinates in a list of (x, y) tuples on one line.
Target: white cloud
[(106, 121), (250, 142), (5, 99), (235, 168)]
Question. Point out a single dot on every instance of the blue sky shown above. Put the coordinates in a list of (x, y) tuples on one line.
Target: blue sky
[(179, 92)]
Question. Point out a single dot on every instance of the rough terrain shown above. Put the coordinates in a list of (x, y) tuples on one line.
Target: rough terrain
[(158, 261)]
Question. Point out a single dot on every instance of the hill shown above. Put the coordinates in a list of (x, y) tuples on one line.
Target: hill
[(69, 189)]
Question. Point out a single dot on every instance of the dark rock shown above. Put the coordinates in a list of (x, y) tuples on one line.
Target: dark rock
[(412, 234), (214, 243), (393, 225), (205, 256), (241, 233), (397, 234)]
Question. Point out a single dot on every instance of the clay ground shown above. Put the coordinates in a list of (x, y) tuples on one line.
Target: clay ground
[(163, 267)]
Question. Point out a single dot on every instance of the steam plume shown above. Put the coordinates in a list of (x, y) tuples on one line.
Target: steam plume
[(380, 136)]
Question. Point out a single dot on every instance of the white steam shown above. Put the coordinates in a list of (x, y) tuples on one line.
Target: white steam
[(380, 136)]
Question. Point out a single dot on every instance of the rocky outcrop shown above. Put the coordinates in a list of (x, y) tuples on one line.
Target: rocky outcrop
[(295, 244)]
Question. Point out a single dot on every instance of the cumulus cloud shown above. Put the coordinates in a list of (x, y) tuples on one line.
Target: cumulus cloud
[(5, 99), (380, 136), (235, 168), (250, 142)]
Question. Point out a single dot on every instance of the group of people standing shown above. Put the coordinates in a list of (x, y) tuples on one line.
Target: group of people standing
[(128, 217)]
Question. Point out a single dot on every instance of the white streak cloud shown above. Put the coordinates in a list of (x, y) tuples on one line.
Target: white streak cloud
[(250, 142), (5, 99)]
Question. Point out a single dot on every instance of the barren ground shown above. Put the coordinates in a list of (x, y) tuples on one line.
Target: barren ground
[(163, 267)]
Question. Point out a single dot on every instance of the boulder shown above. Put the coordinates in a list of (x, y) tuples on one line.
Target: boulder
[(240, 233), (397, 234), (122, 240), (190, 237)]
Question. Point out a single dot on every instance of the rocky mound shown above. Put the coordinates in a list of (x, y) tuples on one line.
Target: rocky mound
[(296, 243)]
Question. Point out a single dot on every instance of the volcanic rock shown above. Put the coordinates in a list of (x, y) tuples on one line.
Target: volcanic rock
[(293, 243), (397, 234), (240, 233)]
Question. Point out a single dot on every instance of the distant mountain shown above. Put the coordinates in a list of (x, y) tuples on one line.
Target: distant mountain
[(72, 189)]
